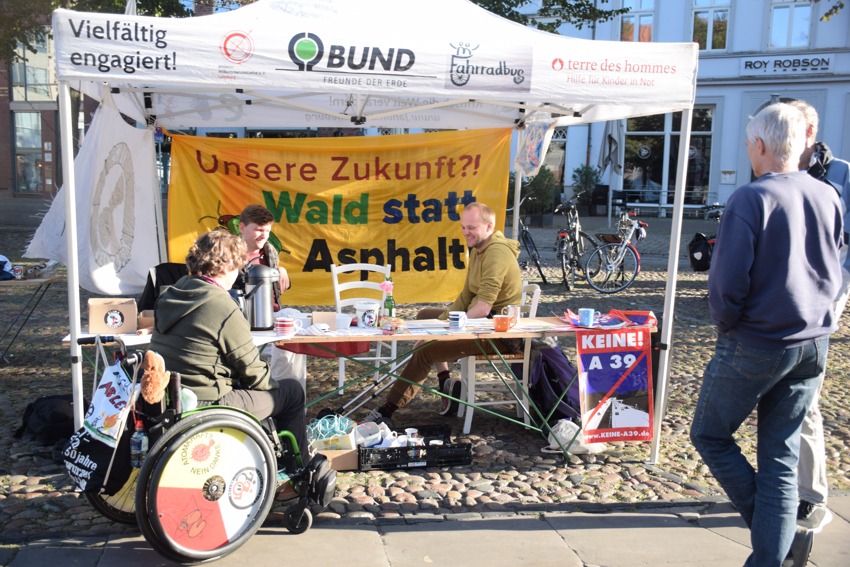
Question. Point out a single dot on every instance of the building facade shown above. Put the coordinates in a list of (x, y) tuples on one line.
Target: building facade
[(751, 52), (29, 137)]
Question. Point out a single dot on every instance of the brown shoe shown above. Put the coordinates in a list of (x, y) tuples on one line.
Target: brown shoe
[(154, 378)]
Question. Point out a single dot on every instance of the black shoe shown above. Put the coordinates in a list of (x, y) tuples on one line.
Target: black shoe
[(801, 547), (450, 387), (813, 516)]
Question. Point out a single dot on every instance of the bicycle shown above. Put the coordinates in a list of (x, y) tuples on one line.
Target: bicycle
[(572, 245), (210, 477), (528, 243), (615, 263)]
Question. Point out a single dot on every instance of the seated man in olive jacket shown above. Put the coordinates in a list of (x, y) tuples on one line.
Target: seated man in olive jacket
[(201, 333), (493, 281)]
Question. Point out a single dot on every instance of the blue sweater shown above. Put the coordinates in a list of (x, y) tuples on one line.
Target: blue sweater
[(775, 269)]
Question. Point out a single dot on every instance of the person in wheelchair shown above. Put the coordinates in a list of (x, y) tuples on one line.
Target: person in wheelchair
[(200, 332)]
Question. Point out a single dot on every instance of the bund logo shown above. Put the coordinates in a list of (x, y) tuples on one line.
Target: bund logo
[(305, 50)]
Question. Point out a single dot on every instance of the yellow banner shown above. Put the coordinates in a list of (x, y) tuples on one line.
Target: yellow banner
[(380, 199)]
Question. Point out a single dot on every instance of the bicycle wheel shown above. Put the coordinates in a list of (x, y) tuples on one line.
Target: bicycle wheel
[(206, 486), (583, 249), (119, 507), (531, 249), (614, 273), (565, 261)]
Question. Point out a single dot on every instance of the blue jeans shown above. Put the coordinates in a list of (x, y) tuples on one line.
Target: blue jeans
[(780, 384)]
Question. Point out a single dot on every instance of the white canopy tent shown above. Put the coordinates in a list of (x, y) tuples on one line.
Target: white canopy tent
[(445, 64)]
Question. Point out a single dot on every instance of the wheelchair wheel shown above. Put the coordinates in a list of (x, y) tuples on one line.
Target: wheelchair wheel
[(119, 507), (297, 523), (206, 486)]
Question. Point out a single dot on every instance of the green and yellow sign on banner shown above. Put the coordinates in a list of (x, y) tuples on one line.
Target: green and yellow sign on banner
[(382, 199)]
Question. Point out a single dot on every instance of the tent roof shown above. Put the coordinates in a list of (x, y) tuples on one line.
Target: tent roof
[(444, 64)]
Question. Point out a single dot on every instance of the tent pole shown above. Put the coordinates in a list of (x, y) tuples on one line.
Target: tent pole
[(517, 189), (160, 226), (670, 291), (70, 190)]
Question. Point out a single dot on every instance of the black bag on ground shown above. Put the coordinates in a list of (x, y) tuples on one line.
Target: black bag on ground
[(49, 418), (551, 375), (699, 253)]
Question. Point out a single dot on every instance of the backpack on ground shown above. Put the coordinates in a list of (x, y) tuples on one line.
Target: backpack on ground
[(49, 418), (551, 375)]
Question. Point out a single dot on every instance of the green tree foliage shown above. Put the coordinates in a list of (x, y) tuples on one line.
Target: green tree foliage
[(553, 13), (542, 190), (21, 22)]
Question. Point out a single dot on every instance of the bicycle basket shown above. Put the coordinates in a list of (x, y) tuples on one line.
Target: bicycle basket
[(606, 237)]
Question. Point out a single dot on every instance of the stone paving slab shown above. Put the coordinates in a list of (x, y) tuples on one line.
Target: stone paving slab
[(707, 535)]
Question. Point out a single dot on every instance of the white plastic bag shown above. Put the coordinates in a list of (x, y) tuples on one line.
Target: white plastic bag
[(565, 431)]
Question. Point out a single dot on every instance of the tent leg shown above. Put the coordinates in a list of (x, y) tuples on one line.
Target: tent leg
[(517, 189), (670, 290), (70, 189)]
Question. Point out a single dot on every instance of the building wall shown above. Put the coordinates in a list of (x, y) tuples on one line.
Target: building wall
[(730, 81), (5, 133)]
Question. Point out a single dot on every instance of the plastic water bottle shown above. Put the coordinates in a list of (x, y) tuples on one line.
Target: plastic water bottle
[(138, 445)]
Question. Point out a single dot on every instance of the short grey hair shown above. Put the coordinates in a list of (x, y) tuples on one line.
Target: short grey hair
[(809, 112), (782, 128)]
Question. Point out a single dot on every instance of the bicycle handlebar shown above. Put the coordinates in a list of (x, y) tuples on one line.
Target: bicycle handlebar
[(521, 201)]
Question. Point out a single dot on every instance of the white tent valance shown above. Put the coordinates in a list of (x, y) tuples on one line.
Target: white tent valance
[(394, 63), (444, 64)]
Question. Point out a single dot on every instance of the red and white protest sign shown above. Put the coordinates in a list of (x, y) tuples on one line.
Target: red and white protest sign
[(615, 382)]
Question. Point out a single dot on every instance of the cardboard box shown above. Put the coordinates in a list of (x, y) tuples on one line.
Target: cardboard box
[(334, 443), (112, 316), (326, 317), (342, 459), (145, 319)]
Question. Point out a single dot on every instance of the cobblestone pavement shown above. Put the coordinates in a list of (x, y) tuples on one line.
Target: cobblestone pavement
[(508, 474)]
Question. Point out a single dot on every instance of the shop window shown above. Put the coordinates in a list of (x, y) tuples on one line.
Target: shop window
[(711, 22), (651, 154), (790, 24), (32, 73), (638, 23), (28, 160)]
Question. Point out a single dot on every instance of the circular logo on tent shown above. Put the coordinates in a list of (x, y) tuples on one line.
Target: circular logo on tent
[(557, 64), (305, 50), (112, 223), (237, 47)]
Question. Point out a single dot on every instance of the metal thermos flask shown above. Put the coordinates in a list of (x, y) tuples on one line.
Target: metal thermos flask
[(259, 296), (238, 296)]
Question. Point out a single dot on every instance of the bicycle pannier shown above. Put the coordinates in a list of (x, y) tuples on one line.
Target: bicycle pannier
[(699, 253)]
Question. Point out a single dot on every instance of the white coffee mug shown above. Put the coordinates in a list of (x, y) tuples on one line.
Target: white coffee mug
[(287, 326), (457, 319), (514, 311)]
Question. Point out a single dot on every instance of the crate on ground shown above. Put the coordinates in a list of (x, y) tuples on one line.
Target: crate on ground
[(444, 454)]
